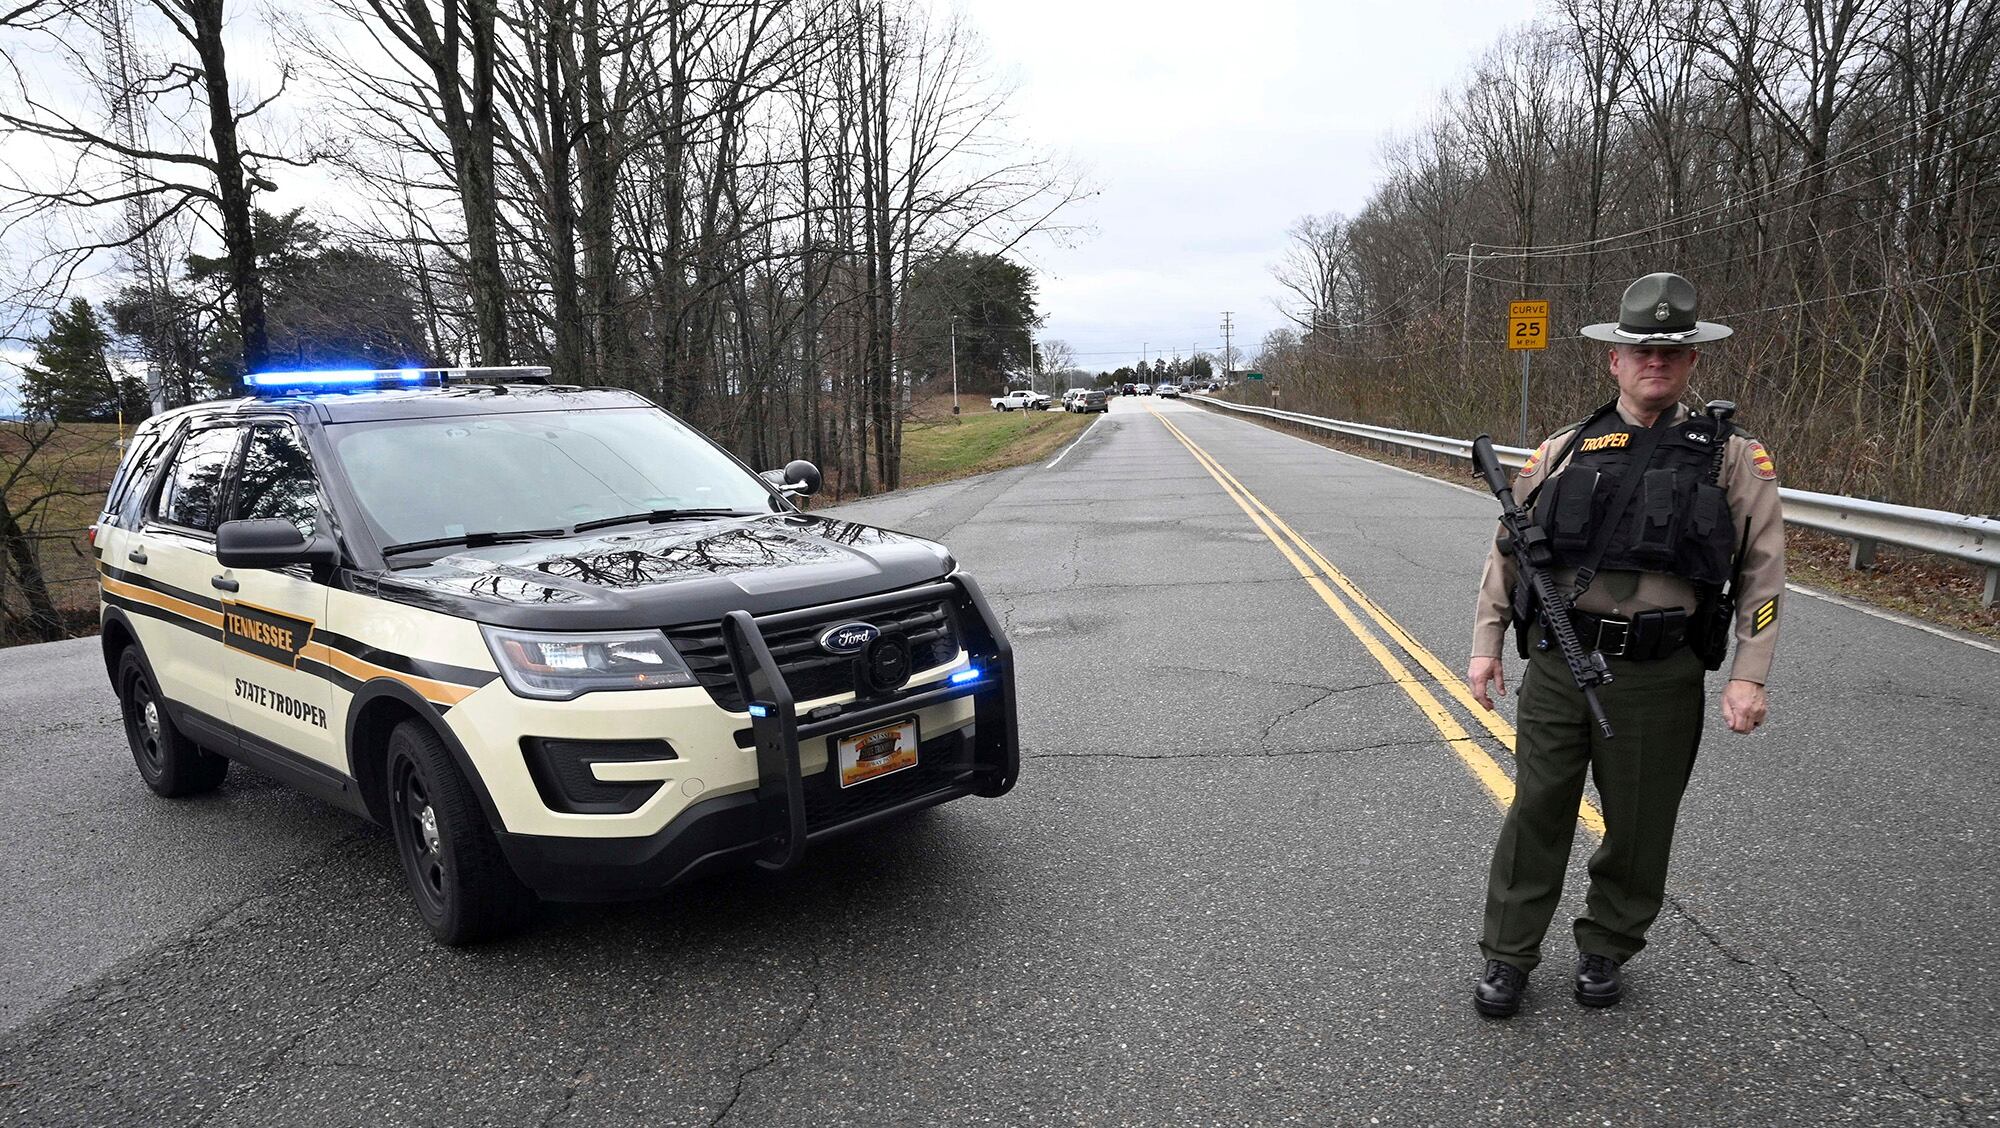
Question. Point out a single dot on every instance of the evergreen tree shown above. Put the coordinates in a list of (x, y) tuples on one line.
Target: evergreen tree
[(70, 380)]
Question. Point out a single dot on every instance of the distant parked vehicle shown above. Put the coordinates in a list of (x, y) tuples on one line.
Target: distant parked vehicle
[(1170, 391), (1129, 390), (1088, 400), (1069, 397), (1145, 389), (1020, 399)]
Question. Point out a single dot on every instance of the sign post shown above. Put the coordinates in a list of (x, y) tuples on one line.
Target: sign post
[(1527, 331)]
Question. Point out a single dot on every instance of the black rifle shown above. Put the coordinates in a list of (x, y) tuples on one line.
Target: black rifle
[(1717, 611), (1529, 546)]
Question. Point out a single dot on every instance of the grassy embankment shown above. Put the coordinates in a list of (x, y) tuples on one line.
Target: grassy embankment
[(78, 461), (937, 447), (1919, 584)]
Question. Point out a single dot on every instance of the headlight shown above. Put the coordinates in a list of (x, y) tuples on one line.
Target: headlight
[(557, 667)]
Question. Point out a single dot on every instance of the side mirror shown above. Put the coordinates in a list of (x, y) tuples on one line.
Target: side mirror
[(271, 542), (798, 477)]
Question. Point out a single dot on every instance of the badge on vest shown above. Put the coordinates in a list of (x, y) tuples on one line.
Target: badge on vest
[(1612, 441)]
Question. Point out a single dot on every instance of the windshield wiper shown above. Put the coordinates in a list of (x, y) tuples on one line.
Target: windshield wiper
[(474, 540), (658, 516)]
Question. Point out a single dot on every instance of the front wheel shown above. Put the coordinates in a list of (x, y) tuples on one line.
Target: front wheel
[(464, 888), (170, 763)]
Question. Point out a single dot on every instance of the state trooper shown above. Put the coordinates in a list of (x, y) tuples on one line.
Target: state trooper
[(1654, 512)]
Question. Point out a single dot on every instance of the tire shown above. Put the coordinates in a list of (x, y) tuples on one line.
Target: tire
[(463, 887), (170, 763)]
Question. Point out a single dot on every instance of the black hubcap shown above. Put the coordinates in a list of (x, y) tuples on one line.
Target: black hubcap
[(418, 836)]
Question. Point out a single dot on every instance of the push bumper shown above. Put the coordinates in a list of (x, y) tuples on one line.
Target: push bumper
[(772, 825)]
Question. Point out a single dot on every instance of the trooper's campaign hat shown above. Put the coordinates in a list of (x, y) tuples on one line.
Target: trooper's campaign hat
[(1658, 310)]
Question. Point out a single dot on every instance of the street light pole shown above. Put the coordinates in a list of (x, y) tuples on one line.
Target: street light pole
[(954, 364)]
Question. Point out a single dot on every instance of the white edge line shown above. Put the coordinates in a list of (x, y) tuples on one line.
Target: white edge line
[(1073, 442), (1852, 605), (1893, 617)]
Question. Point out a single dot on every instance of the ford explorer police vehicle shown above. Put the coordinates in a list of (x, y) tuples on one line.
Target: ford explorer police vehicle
[(555, 639)]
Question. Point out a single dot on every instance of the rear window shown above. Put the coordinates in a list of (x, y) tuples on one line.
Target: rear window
[(135, 470)]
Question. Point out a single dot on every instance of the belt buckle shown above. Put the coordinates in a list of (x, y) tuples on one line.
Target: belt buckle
[(1624, 628)]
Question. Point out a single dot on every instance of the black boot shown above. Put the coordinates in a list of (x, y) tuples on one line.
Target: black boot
[(1597, 982), (1498, 992)]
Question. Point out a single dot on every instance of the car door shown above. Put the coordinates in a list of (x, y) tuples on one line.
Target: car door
[(272, 616), (168, 573)]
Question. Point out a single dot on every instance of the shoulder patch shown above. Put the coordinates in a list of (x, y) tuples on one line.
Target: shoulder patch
[(1760, 461), (1533, 464)]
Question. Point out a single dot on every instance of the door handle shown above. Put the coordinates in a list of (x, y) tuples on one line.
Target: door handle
[(136, 556), (223, 583)]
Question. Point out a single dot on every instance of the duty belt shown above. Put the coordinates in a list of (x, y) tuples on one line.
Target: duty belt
[(1644, 637)]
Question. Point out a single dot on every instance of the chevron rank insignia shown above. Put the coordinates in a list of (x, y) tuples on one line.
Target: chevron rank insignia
[(1760, 461), (1764, 617)]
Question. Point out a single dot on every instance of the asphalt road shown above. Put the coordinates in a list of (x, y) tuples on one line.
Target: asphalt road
[(1239, 881)]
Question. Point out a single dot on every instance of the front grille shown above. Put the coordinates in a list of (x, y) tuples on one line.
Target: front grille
[(927, 628), (941, 762)]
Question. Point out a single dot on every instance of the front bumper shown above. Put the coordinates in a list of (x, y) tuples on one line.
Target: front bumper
[(772, 825)]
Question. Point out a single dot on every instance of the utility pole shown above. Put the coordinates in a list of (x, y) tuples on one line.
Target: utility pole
[(954, 364), (1228, 350), (1034, 364), (1465, 325)]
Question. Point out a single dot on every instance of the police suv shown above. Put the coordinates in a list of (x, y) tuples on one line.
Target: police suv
[(559, 642)]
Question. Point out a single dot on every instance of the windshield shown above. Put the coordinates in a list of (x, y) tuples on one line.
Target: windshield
[(434, 479)]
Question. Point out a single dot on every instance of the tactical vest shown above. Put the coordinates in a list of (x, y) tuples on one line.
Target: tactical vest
[(1677, 520)]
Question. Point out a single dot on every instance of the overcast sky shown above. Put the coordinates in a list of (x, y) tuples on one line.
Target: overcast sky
[(1209, 128)]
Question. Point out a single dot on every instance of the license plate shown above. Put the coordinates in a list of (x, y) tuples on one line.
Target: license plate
[(878, 752)]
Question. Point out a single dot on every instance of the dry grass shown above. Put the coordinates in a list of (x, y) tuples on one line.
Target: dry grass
[(77, 464)]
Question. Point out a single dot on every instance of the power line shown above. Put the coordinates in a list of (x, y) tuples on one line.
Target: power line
[(1902, 134), (1900, 285), (1708, 232), (1696, 269)]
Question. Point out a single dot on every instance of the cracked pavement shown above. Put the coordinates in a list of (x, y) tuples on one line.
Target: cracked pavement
[(1239, 882)]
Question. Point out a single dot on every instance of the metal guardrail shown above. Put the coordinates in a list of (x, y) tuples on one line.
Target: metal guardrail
[(1867, 524)]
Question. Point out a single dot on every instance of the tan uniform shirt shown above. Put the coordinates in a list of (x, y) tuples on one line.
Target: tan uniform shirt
[(1751, 482)]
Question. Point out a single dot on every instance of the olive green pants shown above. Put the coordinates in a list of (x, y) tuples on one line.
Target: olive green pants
[(1656, 710)]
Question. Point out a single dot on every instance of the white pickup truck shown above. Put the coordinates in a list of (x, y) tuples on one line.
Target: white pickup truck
[(1021, 399)]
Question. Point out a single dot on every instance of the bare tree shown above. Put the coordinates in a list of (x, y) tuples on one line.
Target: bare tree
[(105, 167)]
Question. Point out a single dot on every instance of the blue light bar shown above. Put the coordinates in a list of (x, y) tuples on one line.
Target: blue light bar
[(759, 709), (965, 675), (340, 379)]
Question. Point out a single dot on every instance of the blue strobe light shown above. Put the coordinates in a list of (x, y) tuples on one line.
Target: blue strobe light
[(970, 673), (307, 381)]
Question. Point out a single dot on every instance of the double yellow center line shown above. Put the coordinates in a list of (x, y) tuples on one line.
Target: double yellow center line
[(1318, 573)]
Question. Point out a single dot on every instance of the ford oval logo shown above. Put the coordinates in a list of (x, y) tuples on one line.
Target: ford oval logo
[(848, 638)]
